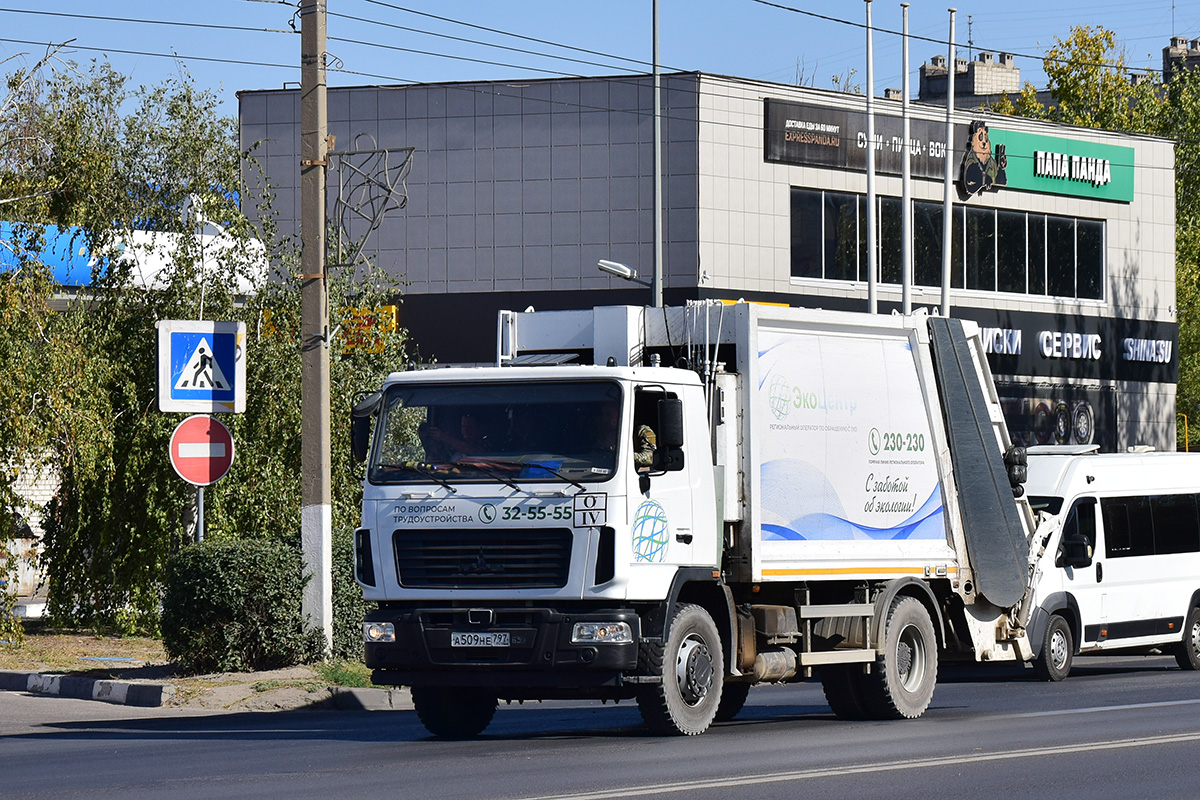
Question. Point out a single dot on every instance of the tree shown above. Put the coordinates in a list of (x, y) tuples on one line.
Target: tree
[(119, 166)]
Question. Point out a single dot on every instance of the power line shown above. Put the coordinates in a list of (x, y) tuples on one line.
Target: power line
[(148, 21), (476, 42), (513, 35), (943, 42)]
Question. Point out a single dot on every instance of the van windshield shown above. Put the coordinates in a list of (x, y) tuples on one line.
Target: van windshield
[(1046, 504), (451, 433)]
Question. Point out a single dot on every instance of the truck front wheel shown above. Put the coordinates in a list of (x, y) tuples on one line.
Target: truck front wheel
[(690, 665), (904, 675), (453, 712)]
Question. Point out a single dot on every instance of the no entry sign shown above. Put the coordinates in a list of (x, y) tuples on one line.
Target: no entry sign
[(201, 450)]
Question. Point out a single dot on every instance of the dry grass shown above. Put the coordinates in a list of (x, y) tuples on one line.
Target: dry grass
[(82, 652)]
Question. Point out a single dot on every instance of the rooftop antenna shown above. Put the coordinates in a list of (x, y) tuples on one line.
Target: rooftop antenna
[(970, 40)]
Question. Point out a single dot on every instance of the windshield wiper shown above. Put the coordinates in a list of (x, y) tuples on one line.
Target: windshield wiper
[(424, 469), (478, 464)]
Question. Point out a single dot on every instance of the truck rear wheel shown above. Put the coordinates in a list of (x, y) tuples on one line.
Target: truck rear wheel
[(1058, 648), (1187, 652), (453, 712), (733, 698), (842, 686), (904, 675), (690, 665)]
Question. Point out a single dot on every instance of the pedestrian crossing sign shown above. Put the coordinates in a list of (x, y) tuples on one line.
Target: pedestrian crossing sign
[(201, 366)]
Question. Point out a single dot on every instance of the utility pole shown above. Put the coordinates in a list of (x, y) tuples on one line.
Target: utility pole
[(316, 521)]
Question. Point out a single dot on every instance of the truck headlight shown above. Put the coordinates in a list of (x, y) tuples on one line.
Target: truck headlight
[(601, 633), (379, 632)]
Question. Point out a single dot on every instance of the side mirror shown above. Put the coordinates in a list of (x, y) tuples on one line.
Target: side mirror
[(1076, 551), (360, 426), (670, 422), (669, 457)]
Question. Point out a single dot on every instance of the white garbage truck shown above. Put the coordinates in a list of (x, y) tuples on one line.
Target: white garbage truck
[(674, 504)]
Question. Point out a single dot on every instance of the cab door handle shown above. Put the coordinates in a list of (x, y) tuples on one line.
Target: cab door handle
[(1099, 572)]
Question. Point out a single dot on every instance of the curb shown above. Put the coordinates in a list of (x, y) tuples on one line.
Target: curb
[(350, 699), (156, 695), (126, 693)]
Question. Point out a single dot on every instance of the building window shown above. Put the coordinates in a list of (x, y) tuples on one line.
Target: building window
[(992, 250)]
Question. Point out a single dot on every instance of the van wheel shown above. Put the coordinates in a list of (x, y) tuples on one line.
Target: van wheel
[(841, 684), (904, 675), (690, 665), (1187, 652), (1058, 648), (453, 712), (733, 697)]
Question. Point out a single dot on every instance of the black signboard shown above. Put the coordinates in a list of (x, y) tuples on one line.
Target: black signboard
[(812, 135)]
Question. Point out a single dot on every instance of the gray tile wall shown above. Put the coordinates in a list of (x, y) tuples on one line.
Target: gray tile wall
[(513, 186)]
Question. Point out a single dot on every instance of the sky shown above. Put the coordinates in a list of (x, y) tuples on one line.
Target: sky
[(230, 45)]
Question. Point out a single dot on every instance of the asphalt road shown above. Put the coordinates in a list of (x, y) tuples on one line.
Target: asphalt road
[(1117, 728)]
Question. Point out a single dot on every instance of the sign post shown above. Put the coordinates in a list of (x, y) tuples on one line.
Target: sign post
[(201, 453)]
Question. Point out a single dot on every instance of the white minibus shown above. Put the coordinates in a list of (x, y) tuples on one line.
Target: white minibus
[(1119, 564)]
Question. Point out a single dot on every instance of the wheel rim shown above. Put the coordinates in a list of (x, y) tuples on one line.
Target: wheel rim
[(1194, 637), (912, 658), (1058, 649), (694, 669)]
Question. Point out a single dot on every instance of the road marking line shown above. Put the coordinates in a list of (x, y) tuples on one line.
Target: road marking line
[(883, 766), (1096, 709)]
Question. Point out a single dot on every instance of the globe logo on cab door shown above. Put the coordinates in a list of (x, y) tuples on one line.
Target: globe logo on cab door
[(650, 532)]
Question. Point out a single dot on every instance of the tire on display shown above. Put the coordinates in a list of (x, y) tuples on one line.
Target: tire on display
[(1053, 663), (733, 698), (453, 712), (841, 684), (1187, 652), (904, 675), (690, 664)]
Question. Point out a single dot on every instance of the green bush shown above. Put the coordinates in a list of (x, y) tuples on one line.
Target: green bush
[(230, 606), (349, 608)]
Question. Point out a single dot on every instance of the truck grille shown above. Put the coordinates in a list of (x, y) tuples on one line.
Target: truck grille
[(490, 558)]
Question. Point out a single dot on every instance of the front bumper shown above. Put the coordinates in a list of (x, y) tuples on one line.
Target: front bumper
[(540, 652)]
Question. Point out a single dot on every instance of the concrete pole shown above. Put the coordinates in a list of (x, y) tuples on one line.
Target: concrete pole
[(315, 497), (948, 200), (906, 234), (872, 201), (657, 288)]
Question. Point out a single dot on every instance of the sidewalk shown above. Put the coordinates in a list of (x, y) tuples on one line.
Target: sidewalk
[(135, 671)]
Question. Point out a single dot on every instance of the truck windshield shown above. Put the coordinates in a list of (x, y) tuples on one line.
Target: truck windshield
[(452, 433)]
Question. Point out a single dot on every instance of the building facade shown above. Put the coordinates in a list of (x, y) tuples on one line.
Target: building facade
[(1063, 239)]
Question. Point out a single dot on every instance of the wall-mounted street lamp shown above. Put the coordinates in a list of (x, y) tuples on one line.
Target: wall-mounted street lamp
[(622, 271)]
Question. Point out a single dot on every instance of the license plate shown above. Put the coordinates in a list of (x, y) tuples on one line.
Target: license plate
[(480, 639)]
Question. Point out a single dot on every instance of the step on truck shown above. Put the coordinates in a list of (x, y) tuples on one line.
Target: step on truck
[(672, 505)]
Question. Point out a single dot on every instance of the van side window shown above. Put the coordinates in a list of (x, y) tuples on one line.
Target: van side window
[(1175, 528), (1128, 526)]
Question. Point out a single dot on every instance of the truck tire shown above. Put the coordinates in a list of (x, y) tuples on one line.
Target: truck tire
[(1187, 652), (842, 686), (1053, 663), (690, 665), (453, 712), (733, 698), (904, 675)]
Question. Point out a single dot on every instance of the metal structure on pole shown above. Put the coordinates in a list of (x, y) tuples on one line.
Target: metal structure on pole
[(657, 287), (872, 238), (316, 510), (948, 201), (906, 234)]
